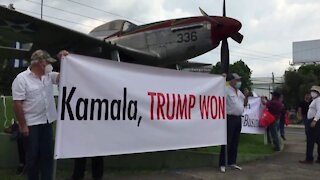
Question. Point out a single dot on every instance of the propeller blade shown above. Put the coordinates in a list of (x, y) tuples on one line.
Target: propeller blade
[(209, 18), (238, 37), (224, 8), (225, 56), (203, 12)]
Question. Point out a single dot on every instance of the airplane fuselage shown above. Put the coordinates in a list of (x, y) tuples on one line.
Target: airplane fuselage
[(171, 44), (176, 40)]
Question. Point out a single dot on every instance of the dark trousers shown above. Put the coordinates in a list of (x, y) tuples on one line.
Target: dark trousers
[(281, 127), (39, 154), (233, 137), (275, 135), (305, 123), (313, 136), (21, 151), (80, 167)]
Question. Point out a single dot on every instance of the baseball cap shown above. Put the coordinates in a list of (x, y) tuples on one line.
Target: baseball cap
[(41, 54), (233, 76)]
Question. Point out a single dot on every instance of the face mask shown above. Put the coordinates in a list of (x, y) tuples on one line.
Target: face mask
[(238, 85), (314, 95), (48, 69)]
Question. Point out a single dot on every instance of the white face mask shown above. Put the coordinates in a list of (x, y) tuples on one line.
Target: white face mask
[(314, 95), (238, 85), (48, 69)]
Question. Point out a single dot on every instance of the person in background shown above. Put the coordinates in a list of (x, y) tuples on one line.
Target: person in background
[(303, 110), (35, 110), (282, 120), (236, 102), (313, 126), (275, 107), (264, 101), (80, 167)]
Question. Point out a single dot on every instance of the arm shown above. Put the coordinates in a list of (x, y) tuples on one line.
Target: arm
[(18, 110), (246, 101), (299, 114), (246, 95), (317, 116), (60, 55)]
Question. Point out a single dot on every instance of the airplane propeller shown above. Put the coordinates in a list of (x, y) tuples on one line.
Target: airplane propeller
[(238, 37), (224, 54)]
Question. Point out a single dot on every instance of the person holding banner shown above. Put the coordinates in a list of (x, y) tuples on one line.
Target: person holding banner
[(236, 102), (275, 107), (34, 107), (313, 126)]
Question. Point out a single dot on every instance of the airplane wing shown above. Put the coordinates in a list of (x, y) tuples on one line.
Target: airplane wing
[(19, 27), (40, 34), (137, 56), (8, 52)]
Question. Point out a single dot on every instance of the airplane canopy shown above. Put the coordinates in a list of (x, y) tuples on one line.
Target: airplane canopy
[(112, 27)]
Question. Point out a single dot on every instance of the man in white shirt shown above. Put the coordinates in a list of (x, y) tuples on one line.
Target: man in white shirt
[(236, 102), (34, 107), (313, 126)]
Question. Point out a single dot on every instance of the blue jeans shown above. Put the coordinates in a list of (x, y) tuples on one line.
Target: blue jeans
[(39, 155)]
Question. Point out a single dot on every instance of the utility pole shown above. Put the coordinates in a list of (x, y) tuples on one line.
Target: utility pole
[(41, 8), (272, 81)]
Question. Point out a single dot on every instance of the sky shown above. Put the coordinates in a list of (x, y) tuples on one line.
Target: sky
[(269, 27)]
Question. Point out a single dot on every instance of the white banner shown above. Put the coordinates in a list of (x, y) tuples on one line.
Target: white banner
[(251, 116), (109, 108)]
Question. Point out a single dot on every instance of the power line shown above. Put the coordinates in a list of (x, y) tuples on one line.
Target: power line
[(261, 52), (55, 18), (66, 11), (111, 13)]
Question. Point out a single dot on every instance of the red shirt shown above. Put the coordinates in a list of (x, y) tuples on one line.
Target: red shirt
[(275, 107)]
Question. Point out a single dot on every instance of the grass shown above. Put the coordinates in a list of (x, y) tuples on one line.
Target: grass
[(10, 113), (249, 144)]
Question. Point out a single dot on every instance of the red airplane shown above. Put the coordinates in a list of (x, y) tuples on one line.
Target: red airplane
[(164, 43)]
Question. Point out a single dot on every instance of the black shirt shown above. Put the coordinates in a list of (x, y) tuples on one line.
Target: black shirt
[(304, 108)]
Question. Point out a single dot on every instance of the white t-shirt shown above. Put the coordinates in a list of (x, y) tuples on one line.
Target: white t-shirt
[(235, 101), (37, 95), (314, 109)]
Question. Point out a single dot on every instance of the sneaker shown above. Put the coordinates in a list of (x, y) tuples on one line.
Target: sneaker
[(234, 166), (222, 169), (305, 162), (283, 137)]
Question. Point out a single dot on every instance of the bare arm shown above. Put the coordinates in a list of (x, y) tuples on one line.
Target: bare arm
[(299, 114), (60, 55), (18, 110), (246, 95)]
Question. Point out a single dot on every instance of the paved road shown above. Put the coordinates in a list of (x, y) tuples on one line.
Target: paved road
[(283, 165)]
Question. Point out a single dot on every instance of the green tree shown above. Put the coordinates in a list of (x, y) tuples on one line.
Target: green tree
[(244, 71), (240, 68), (298, 82)]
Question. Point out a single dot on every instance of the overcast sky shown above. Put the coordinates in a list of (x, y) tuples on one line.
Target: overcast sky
[(269, 27)]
